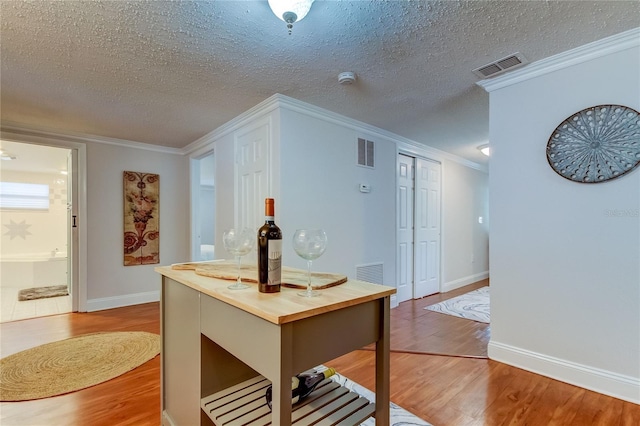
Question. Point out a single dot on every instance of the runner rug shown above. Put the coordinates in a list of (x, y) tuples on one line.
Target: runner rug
[(73, 364), (399, 416), (473, 305), (43, 292)]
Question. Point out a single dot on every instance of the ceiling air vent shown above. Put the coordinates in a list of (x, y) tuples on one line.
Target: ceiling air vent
[(500, 66), (365, 153)]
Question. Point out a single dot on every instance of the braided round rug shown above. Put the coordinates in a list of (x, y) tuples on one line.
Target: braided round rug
[(73, 364)]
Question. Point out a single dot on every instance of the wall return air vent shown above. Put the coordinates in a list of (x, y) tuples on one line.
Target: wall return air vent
[(500, 66), (370, 272), (366, 153)]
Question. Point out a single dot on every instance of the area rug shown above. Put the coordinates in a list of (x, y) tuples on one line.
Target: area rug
[(399, 416), (473, 305), (43, 292), (73, 364)]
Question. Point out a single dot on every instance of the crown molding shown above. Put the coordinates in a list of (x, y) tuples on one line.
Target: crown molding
[(599, 48), (20, 130), (264, 107), (359, 126), (285, 102)]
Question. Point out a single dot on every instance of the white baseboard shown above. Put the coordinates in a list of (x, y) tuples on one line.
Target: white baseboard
[(452, 285), (595, 379), (166, 420), (120, 301)]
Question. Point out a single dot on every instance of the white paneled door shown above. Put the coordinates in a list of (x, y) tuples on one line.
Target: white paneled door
[(252, 175), (418, 227), (405, 228), (427, 228)]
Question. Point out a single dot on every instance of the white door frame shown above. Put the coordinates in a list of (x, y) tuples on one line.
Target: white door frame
[(72, 226), (79, 177)]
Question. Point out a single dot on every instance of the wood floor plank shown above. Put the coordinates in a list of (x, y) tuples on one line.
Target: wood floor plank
[(444, 390), (417, 330), (131, 399), (630, 415), (513, 401), (511, 396)]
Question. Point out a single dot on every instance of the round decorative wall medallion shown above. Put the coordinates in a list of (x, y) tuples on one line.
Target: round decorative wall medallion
[(596, 144)]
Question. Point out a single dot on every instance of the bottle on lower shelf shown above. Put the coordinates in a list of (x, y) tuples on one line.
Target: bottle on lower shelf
[(302, 385)]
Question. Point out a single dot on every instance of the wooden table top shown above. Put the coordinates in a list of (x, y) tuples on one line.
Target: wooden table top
[(285, 306)]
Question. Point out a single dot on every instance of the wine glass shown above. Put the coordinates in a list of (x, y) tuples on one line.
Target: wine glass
[(238, 242), (309, 244)]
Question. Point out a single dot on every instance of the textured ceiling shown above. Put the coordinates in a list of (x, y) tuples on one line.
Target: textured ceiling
[(169, 72)]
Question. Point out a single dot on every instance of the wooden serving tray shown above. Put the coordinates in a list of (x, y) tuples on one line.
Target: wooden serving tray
[(291, 277)]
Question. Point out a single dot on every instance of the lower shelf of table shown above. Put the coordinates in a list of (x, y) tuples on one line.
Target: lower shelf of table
[(245, 404)]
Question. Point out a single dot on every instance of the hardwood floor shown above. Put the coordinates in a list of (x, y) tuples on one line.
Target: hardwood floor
[(454, 391), (131, 399), (417, 330), (446, 391)]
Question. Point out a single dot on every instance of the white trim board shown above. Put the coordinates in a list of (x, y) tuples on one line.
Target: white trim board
[(121, 301), (166, 419), (83, 138), (602, 381), (599, 48), (461, 282)]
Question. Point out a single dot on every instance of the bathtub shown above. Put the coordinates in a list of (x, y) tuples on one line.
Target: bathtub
[(33, 270)]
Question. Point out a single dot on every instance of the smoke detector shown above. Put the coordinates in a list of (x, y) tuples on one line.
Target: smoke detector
[(346, 77)]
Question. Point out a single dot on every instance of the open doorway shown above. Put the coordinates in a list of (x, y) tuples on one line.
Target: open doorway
[(203, 207), (36, 241)]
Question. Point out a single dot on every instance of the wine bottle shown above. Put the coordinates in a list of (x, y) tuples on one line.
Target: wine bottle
[(302, 385), (269, 251)]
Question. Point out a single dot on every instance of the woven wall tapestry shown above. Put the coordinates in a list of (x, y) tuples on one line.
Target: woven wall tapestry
[(141, 218)]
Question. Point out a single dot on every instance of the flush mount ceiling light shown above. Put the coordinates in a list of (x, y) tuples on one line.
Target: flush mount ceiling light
[(290, 11), (484, 149)]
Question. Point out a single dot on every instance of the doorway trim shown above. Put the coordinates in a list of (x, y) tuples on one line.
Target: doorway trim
[(79, 256)]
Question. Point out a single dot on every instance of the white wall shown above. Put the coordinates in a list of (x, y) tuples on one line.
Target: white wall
[(225, 215), (465, 242), (320, 182), (109, 283), (207, 199), (565, 274), (207, 214)]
